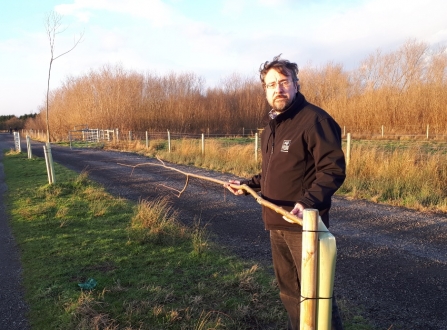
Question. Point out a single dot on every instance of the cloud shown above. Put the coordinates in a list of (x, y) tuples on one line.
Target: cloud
[(382, 20), (156, 11), (233, 7), (272, 3)]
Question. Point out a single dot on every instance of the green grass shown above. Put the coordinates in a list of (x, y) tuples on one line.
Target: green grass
[(427, 147), (82, 144), (151, 272)]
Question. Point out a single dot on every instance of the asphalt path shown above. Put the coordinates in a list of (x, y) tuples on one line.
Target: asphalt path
[(12, 306), (391, 264)]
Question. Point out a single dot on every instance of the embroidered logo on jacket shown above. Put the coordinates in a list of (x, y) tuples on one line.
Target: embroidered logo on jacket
[(285, 146)]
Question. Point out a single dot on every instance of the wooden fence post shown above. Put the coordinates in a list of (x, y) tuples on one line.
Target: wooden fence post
[(169, 141), (256, 147), (348, 148), (309, 262), (203, 144), (147, 140)]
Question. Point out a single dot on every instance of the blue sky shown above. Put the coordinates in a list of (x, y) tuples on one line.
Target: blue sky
[(212, 39)]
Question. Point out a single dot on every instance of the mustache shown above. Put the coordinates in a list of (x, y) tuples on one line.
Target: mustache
[(280, 96)]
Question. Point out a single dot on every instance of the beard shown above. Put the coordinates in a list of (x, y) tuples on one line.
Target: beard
[(281, 102)]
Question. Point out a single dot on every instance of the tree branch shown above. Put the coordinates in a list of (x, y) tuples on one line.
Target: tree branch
[(244, 187)]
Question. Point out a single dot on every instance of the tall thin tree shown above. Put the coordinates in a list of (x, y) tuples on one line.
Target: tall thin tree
[(53, 26)]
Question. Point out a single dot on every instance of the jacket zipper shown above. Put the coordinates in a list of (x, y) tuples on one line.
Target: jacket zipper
[(270, 157)]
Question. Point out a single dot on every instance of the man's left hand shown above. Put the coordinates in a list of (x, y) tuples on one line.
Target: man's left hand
[(298, 210)]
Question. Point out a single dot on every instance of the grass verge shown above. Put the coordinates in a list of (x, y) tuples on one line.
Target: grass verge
[(150, 271)]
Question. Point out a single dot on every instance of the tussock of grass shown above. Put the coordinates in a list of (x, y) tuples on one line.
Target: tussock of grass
[(155, 221), (151, 272)]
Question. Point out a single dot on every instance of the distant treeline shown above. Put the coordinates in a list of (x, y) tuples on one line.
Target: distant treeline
[(12, 122), (406, 87)]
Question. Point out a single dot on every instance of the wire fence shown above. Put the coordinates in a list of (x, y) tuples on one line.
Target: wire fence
[(90, 137), (164, 141)]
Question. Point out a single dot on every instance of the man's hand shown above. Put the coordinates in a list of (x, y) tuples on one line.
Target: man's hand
[(235, 191), (297, 211)]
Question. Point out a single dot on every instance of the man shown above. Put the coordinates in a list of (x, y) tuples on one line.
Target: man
[(303, 165)]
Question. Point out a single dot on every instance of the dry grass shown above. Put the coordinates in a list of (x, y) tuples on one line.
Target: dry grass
[(411, 177), (410, 173), (155, 221), (218, 156)]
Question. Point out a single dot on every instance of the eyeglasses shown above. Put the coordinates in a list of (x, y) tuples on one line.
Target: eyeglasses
[(282, 84)]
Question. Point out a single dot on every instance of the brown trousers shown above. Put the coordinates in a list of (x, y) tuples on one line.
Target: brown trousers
[(286, 255)]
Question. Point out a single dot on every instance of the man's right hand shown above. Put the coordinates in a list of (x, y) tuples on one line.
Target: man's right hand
[(235, 191)]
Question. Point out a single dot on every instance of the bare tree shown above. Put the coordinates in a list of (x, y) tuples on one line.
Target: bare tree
[(53, 27)]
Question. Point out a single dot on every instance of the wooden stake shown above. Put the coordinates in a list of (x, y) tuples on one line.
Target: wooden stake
[(309, 263)]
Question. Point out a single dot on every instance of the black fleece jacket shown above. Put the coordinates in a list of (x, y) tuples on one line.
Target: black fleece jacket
[(302, 162)]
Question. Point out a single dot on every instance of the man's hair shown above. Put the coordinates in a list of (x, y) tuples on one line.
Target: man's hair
[(284, 67)]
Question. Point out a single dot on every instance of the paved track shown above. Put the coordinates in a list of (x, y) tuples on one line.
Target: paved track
[(12, 306)]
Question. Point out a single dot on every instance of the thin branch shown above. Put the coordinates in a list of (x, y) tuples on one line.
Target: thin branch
[(180, 192), (244, 187), (76, 42), (53, 28)]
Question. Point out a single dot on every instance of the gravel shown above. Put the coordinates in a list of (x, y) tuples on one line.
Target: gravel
[(391, 264)]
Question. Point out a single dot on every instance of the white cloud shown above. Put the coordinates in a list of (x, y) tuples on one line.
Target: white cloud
[(233, 7), (156, 11), (217, 38), (271, 3)]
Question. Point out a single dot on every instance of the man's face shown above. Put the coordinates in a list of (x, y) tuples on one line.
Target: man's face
[(280, 90)]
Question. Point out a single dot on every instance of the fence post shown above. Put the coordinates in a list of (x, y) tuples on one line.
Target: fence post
[(147, 140), (18, 146), (130, 136), (256, 147), (382, 130), (45, 152), (28, 147), (427, 130), (309, 262), (203, 144), (49, 163), (169, 141), (243, 131), (348, 148)]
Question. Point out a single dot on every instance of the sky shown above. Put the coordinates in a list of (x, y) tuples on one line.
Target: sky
[(210, 38)]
